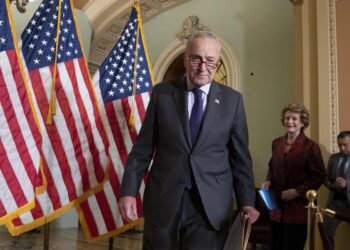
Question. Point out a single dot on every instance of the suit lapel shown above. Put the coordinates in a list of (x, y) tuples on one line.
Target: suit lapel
[(180, 97), (212, 109)]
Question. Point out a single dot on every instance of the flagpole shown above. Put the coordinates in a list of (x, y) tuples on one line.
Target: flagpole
[(46, 236), (110, 243)]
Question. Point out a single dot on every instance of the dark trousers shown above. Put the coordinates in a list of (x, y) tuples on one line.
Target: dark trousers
[(288, 236), (188, 230), (330, 223)]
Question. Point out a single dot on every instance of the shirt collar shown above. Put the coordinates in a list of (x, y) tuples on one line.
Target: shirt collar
[(204, 88)]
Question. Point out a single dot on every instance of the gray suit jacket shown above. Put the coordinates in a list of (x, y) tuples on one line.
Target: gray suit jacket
[(220, 158), (333, 171)]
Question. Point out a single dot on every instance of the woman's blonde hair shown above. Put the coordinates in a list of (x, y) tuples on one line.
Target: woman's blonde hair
[(300, 109)]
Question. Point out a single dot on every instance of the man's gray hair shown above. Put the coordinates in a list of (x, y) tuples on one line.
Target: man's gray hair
[(202, 34)]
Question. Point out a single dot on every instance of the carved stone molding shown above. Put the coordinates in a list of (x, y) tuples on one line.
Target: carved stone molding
[(20, 4), (189, 26), (333, 74)]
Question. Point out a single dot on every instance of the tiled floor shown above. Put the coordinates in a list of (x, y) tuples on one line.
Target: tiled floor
[(72, 239), (68, 239)]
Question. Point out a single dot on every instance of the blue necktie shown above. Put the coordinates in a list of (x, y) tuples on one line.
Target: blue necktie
[(196, 114)]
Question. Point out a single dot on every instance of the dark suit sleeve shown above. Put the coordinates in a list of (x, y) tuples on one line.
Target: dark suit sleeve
[(142, 151), (240, 159), (330, 176)]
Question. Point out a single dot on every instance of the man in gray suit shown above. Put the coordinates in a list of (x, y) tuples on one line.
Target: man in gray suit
[(196, 133), (338, 182)]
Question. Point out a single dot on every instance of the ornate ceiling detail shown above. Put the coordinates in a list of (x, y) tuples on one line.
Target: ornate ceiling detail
[(108, 23)]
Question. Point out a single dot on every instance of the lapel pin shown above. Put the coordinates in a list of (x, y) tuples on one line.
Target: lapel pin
[(217, 101)]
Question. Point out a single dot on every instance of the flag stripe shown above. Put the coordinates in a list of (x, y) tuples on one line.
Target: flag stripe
[(12, 182), (106, 210), (20, 102), (18, 115), (123, 124), (52, 192), (97, 216), (89, 217), (116, 131), (53, 147), (83, 106), (3, 211), (15, 151), (140, 107), (96, 118), (70, 109), (53, 133)]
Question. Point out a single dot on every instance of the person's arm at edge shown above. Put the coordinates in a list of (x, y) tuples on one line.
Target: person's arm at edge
[(138, 163), (240, 158)]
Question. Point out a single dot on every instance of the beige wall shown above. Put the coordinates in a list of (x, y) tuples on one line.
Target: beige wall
[(343, 52)]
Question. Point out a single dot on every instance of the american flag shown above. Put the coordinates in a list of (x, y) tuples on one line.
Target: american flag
[(123, 84), (20, 139), (75, 143)]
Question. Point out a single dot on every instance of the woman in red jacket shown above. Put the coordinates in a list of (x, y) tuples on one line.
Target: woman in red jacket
[(295, 167)]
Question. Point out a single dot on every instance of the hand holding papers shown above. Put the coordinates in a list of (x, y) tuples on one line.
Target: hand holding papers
[(239, 234), (269, 198)]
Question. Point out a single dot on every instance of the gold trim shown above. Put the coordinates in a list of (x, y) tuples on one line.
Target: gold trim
[(14, 231)]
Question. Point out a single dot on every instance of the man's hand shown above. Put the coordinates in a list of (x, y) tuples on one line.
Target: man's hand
[(127, 208), (340, 183), (289, 194), (251, 212)]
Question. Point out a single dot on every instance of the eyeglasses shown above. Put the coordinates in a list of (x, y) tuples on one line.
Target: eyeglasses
[(196, 61)]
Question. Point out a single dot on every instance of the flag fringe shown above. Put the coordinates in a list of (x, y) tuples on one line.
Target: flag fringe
[(109, 234), (21, 210), (16, 230)]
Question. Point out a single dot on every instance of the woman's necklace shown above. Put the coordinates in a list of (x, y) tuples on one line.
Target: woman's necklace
[(289, 141)]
